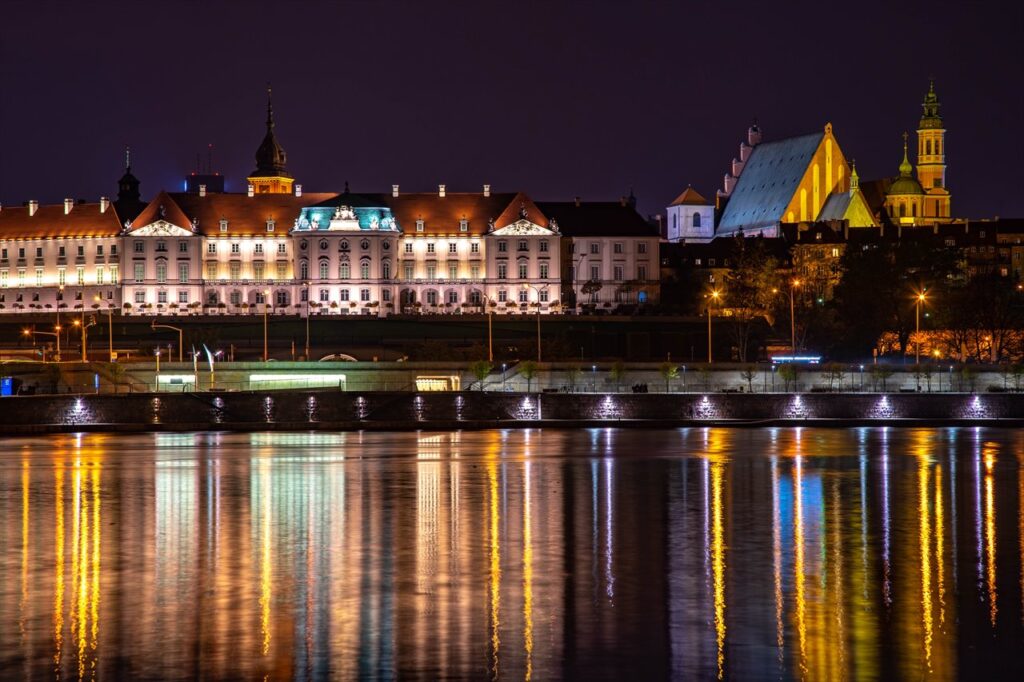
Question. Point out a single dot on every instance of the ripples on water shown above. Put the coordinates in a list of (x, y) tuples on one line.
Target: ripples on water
[(590, 554)]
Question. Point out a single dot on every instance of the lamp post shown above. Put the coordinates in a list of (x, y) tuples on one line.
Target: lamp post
[(266, 309), (81, 323), (530, 286), (792, 318), (917, 323), (305, 286), (156, 354), (713, 296), (154, 325), (33, 333)]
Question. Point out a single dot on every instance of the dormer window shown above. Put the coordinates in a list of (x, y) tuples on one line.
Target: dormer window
[(463, 225), (419, 225), (223, 225), (270, 224)]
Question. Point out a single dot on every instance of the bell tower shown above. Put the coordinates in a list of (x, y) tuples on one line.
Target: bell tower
[(270, 176), (931, 157)]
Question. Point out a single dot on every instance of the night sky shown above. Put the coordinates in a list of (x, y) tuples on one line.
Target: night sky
[(555, 98)]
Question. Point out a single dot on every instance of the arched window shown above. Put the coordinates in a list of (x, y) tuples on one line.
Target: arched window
[(928, 147), (696, 219), (903, 210), (674, 223), (343, 270), (304, 270), (913, 210), (385, 269), (323, 269), (364, 269)]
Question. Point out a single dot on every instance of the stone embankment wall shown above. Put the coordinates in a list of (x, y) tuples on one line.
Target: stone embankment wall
[(301, 410)]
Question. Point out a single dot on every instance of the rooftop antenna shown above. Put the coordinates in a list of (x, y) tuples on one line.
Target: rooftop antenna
[(127, 158)]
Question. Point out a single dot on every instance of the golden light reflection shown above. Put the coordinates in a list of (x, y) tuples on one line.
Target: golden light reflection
[(940, 554), (266, 566), (990, 535), (924, 527), (495, 564), (718, 562), (58, 588), (798, 563), (24, 550), (527, 572)]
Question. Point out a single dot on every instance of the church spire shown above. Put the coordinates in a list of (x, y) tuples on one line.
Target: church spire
[(906, 170), (930, 117), (270, 109), (854, 178)]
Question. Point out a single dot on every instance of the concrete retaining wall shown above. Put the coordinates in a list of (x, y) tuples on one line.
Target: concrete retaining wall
[(301, 410)]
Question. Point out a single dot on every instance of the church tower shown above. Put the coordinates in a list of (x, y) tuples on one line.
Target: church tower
[(931, 158), (270, 176)]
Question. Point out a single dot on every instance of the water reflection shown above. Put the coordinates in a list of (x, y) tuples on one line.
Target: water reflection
[(515, 554)]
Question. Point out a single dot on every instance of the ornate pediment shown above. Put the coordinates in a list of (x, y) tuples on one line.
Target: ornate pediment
[(161, 228), (522, 227)]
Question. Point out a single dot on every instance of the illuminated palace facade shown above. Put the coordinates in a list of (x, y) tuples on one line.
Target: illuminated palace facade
[(276, 247)]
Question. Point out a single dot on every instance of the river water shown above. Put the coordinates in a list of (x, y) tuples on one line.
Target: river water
[(700, 553)]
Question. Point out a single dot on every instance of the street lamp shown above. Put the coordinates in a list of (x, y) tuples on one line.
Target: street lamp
[(530, 286), (154, 325), (792, 318), (917, 334), (715, 293), (33, 333), (81, 324), (266, 309)]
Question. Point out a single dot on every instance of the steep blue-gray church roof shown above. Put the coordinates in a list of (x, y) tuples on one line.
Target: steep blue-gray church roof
[(767, 184)]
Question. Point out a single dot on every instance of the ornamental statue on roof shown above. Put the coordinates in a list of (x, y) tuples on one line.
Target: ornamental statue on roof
[(344, 213)]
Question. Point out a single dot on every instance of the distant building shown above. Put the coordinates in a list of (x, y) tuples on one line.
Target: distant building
[(691, 218)]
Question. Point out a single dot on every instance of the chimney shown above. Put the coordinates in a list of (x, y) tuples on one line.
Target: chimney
[(251, 191), (68, 205), (440, 191), (298, 190), (394, 190), (202, 190), (104, 204), (577, 202), (487, 190), (33, 206)]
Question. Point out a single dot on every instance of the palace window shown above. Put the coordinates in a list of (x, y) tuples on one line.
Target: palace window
[(430, 247), (595, 273), (543, 295), (182, 247), (344, 294), (474, 271), (223, 225), (161, 297), (236, 271), (140, 296), (463, 225), (161, 246), (385, 295), (139, 246), (324, 295), (431, 271), (502, 246), (524, 245), (161, 272), (595, 248), (408, 247), (419, 225), (282, 271), (453, 296), (502, 296), (270, 225), (257, 271), (257, 248), (344, 270), (140, 272), (39, 277), (524, 296), (453, 247), (113, 274), (364, 295), (182, 296), (324, 265), (474, 247), (474, 297), (408, 271), (61, 277), (641, 247), (261, 298), (543, 270), (453, 271), (99, 274), (282, 298), (502, 271), (617, 247), (432, 297), (641, 273), (282, 249), (523, 268), (211, 248), (364, 270), (235, 248), (183, 273), (79, 275), (544, 247), (235, 297), (385, 269), (211, 271)]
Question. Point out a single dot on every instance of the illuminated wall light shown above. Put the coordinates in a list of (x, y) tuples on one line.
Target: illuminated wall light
[(268, 408)]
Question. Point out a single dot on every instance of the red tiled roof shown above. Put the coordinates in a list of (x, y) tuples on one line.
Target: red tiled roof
[(441, 215), (513, 212), (162, 207), (50, 222), (246, 216), (690, 196)]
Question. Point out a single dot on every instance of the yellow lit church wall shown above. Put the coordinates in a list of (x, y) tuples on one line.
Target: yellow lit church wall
[(809, 197)]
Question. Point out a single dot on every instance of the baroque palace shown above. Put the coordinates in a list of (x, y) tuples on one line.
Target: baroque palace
[(277, 248)]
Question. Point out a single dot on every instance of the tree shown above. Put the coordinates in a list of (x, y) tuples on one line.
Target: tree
[(705, 376), (880, 373), (572, 375), (835, 372), (752, 282), (748, 374), (590, 289), (616, 372), (668, 372), (481, 369), (528, 370), (787, 373)]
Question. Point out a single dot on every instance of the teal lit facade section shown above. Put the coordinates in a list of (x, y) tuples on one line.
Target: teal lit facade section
[(350, 218)]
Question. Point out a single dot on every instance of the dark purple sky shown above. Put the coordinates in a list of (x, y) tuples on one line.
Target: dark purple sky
[(556, 98)]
